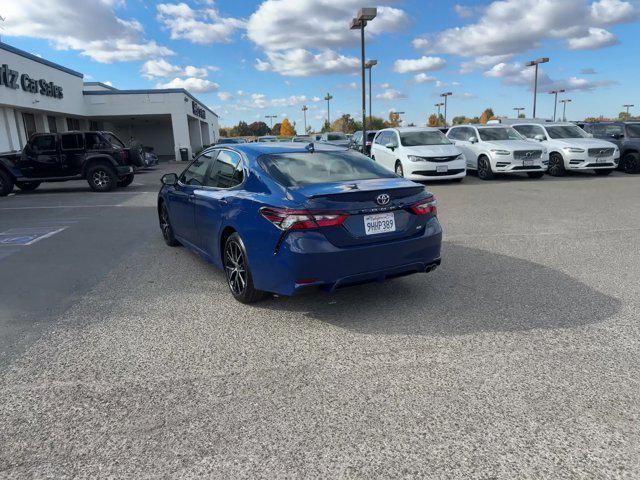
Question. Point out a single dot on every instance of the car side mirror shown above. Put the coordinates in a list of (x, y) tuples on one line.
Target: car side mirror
[(617, 136), (170, 179), (540, 137), (390, 146), (473, 140)]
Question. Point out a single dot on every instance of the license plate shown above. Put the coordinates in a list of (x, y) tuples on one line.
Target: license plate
[(601, 160), (379, 223), (527, 163), (442, 168)]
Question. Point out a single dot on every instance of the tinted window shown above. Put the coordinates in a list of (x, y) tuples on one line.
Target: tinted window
[(93, 141), (454, 134), (227, 170), (51, 121), (380, 138), (73, 124), (44, 142), (530, 131), (414, 139), (633, 130), (610, 130), (566, 131), (194, 175), (295, 169), (72, 141), (506, 133)]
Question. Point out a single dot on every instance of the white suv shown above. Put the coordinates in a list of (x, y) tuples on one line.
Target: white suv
[(571, 148), (418, 154), (491, 149)]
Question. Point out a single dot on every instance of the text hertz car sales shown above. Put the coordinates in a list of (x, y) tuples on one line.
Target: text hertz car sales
[(9, 78)]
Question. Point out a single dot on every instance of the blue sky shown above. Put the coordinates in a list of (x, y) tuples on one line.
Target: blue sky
[(248, 59)]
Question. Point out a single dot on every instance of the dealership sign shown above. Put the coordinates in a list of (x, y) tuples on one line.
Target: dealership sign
[(198, 111), (12, 79)]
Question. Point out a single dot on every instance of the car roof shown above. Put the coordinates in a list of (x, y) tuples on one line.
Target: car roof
[(548, 124), (412, 129), (483, 125), (256, 149)]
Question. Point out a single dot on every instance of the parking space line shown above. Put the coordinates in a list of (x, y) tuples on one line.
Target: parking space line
[(28, 235)]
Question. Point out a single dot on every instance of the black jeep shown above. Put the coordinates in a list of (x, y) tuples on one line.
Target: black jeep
[(626, 135), (99, 157)]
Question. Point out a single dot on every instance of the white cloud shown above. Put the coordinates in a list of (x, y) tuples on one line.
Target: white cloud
[(508, 27), (203, 26), (422, 64), (462, 11), (391, 94), (596, 38), (385, 85), (191, 84), (424, 78), (225, 96), (300, 37), (518, 74), (260, 101), (93, 29), (300, 62), (588, 71)]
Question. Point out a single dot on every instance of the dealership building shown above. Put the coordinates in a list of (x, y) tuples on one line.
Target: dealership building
[(37, 95)]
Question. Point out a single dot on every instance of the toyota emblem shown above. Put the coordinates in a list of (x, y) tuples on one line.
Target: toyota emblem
[(382, 199)]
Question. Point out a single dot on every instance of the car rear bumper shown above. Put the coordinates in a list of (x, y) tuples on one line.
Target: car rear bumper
[(307, 259)]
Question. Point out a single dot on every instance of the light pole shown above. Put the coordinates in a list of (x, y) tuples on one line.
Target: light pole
[(564, 108), (369, 66), (271, 117), (627, 105), (304, 112), (555, 101), (365, 14), (535, 63), (518, 110), (438, 105), (445, 95), (328, 98)]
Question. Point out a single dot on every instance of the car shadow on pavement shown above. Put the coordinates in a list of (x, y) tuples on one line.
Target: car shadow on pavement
[(473, 291)]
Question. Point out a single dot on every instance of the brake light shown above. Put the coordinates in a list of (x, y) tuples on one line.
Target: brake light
[(286, 219), (425, 207)]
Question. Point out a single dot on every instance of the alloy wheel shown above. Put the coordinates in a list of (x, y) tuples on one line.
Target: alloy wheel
[(482, 168), (100, 178), (235, 267), (165, 226)]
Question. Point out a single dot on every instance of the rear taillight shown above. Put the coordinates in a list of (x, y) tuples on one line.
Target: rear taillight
[(425, 207), (286, 219), (123, 156)]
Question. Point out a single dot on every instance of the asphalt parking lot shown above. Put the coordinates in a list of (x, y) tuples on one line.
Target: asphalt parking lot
[(518, 358)]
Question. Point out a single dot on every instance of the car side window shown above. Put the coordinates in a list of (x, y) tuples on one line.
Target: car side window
[(194, 175), (470, 132), (227, 170), (393, 138), (93, 141), (44, 142), (454, 134), (612, 130), (71, 141), (379, 138)]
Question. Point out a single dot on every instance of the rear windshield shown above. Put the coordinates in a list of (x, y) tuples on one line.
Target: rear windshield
[(566, 131), (415, 139), (507, 133), (293, 169), (633, 130), (336, 136)]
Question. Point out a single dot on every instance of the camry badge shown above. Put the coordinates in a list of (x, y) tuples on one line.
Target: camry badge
[(382, 199)]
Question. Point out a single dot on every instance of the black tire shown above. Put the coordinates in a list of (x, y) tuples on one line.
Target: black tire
[(399, 170), (102, 178), (535, 174), (484, 168), (237, 271), (166, 228), (125, 181), (604, 172), (6, 184), (556, 165), (136, 153), (630, 163), (27, 186)]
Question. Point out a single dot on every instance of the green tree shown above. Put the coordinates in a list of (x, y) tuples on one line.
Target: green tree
[(276, 129), (376, 123), (459, 120), (224, 131), (326, 127), (259, 129), (345, 124)]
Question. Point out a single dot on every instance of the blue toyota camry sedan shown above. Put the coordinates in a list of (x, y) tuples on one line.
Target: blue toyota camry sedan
[(282, 217)]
